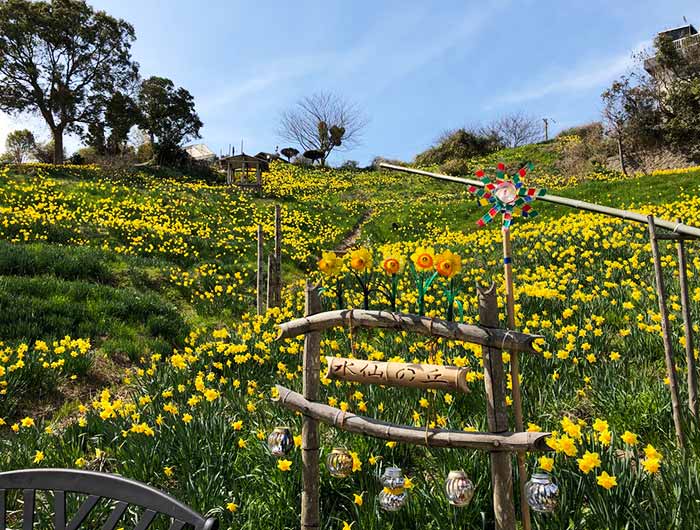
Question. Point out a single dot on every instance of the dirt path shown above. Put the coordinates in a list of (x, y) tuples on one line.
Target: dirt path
[(351, 238)]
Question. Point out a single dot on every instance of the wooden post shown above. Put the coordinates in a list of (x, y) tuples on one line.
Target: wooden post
[(497, 415), (260, 272), (271, 282), (688, 328), (310, 451), (515, 376), (666, 333)]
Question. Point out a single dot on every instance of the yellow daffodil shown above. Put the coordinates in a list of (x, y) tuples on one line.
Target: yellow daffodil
[(393, 263), (629, 438), (330, 264), (606, 481), (546, 463), (423, 258), (448, 264), (588, 462), (361, 259)]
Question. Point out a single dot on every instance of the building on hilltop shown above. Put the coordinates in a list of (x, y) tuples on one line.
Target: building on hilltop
[(200, 153), (684, 38)]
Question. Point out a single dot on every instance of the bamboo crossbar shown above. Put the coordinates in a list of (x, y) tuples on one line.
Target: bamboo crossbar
[(678, 228), (347, 421), (360, 318)]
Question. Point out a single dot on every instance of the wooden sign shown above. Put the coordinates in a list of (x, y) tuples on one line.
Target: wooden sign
[(398, 374)]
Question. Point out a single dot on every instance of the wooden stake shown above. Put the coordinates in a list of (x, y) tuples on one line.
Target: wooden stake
[(495, 384), (260, 271), (271, 282), (666, 333), (278, 256), (310, 510), (515, 376), (688, 328)]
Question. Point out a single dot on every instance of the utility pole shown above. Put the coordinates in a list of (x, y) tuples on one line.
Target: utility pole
[(546, 127)]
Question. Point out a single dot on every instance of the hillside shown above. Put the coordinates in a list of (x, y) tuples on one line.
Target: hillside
[(127, 305)]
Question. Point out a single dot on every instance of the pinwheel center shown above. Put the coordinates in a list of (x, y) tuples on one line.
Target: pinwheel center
[(506, 192)]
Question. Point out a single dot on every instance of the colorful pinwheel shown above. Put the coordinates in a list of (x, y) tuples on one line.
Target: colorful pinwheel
[(506, 194)]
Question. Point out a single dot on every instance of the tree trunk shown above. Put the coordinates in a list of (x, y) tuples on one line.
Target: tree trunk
[(57, 145), (621, 155)]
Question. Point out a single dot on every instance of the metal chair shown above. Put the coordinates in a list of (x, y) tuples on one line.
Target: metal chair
[(97, 486)]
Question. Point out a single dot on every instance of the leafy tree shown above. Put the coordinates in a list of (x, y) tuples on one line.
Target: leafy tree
[(60, 59), (20, 145), (660, 108), (168, 116), (323, 122), (459, 144), (314, 155), (289, 153), (682, 127), (352, 165)]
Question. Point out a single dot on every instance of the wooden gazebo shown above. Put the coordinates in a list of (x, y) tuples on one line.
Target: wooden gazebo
[(244, 170)]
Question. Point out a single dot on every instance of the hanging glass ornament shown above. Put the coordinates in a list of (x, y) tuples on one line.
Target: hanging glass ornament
[(542, 493), (459, 489), (339, 463), (394, 495), (280, 441)]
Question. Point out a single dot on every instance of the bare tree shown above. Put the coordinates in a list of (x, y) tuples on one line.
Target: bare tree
[(616, 115), (323, 122), (514, 129)]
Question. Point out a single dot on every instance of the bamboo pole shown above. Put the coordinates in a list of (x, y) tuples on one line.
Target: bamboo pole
[(260, 273), (515, 375), (666, 333), (688, 329), (347, 421), (573, 203), (494, 337), (310, 443), (497, 415)]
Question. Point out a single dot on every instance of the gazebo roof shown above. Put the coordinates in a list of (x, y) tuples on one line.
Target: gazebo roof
[(237, 161)]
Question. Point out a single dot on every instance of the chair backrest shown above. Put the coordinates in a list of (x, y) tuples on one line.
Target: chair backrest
[(97, 486)]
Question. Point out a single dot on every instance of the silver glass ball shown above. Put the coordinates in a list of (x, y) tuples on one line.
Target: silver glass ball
[(542, 493), (391, 500), (280, 441), (458, 488), (339, 463), (393, 496)]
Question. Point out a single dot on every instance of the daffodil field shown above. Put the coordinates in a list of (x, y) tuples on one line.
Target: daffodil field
[(127, 304)]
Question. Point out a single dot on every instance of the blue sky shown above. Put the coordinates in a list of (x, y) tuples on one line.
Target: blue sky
[(415, 68)]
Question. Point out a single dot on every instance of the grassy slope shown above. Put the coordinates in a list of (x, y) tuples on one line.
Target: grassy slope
[(127, 303)]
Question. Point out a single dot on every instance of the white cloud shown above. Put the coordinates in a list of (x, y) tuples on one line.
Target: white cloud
[(583, 76)]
